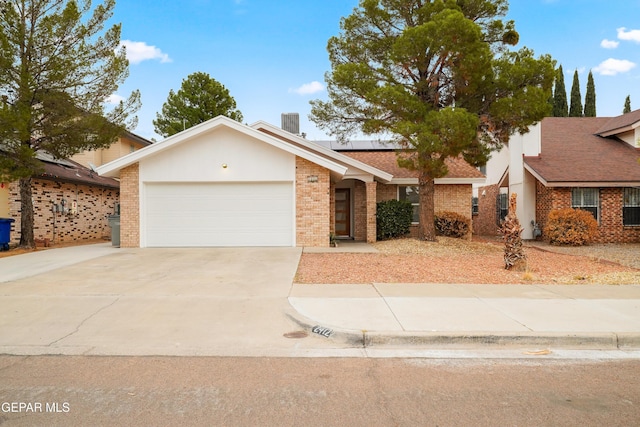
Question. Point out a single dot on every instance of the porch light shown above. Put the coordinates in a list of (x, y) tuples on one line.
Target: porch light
[(312, 178)]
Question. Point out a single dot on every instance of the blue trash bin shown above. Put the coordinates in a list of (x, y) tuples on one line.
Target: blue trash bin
[(5, 233)]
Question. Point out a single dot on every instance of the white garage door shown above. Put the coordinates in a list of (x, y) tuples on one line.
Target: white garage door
[(218, 214)]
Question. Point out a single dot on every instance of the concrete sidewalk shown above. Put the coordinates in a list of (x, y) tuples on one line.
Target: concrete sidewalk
[(46, 260), (101, 300), (574, 316)]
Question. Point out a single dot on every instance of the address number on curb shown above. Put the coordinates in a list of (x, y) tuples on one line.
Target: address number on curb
[(325, 332)]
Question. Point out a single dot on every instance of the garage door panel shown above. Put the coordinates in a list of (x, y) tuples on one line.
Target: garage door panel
[(224, 214)]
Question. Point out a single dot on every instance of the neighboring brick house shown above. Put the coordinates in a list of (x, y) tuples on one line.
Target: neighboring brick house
[(589, 163), (71, 201), (222, 183)]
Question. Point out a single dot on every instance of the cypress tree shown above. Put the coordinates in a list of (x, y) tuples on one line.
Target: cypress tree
[(576, 97), (627, 105), (560, 107), (590, 98)]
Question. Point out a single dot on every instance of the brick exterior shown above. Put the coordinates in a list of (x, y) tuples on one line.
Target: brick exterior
[(313, 203), (610, 225), (359, 195), (447, 197), (94, 204), (130, 207), (370, 204), (486, 223)]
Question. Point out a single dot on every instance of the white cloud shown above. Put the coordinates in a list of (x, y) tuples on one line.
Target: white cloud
[(609, 44), (140, 51), (632, 35), (114, 99), (308, 88), (611, 67)]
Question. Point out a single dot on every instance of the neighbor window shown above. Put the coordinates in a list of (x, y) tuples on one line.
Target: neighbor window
[(586, 199), (631, 206), (410, 193)]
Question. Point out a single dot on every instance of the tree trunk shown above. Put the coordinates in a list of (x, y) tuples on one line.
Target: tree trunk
[(27, 239), (426, 192)]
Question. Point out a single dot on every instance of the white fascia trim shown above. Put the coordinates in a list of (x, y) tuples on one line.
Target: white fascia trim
[(595, 184), (536, 175), (627, 128), (112, 168), (334, 155)]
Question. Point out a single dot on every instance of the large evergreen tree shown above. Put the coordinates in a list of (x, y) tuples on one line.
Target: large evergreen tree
[(57, 68), (576, 98), (199, 99), (627, 105), (560, 107), (590, 98), (439, 77)]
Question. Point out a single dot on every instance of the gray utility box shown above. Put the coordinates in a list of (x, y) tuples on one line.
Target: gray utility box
[(114, 223)]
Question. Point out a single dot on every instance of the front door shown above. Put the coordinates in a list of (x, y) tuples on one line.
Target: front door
[(343, 212)]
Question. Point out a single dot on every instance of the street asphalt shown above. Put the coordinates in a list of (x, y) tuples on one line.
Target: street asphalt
[(101, 300)]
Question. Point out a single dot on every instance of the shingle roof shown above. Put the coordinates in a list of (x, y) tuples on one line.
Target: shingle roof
[(619, 122), (70, 171), (386, 161), (573, 153)]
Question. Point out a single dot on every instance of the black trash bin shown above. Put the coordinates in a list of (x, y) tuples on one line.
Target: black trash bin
[(5, 233), (114, 223)]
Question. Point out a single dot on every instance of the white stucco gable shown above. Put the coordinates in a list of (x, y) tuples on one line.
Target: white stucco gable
[(214, 141)]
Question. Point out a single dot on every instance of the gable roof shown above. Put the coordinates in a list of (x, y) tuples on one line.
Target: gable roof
[(620, 124), (459, 170), (113, 168), (573, 154), (366, 168)]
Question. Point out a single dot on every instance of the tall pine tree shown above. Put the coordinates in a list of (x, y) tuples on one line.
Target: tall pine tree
[(576, 98), (627, 105), (560, 107), (590, 98)]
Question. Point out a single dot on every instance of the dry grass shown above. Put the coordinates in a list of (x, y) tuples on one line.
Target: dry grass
[(458, 261)]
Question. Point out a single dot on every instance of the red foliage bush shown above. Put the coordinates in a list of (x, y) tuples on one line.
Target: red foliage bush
[(573, 227)]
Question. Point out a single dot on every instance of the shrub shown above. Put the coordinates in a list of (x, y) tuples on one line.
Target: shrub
[(574, 227), (452, 224), (393, 218)]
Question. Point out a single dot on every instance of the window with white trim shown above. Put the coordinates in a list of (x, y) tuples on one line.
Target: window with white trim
[(410, 193), (587, 199), (631, 206)]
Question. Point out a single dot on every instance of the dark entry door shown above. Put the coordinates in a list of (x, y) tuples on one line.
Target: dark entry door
[(343, 212)]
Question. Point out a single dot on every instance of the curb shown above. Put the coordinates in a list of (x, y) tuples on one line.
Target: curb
[(367, 339)]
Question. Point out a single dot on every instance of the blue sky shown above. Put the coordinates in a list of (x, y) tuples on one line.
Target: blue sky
[(272, 56)]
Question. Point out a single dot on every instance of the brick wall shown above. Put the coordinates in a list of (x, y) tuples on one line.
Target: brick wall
[(486, 223), (611, 226), (359, 211), (90, 222), (447, 197), (130, 207), (312, 204)]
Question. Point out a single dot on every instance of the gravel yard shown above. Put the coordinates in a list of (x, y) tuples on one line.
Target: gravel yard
[(478, 261)]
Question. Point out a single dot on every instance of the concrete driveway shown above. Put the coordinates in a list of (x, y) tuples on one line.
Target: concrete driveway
[(209, 301)]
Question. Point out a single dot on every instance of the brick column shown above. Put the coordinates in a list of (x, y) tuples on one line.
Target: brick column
[(371, 211), (130, 207)]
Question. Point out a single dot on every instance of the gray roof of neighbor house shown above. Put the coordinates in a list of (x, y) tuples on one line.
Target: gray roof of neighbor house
[(572, 153)]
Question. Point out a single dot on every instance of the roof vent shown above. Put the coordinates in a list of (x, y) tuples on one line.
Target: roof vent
[(291, 122)]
